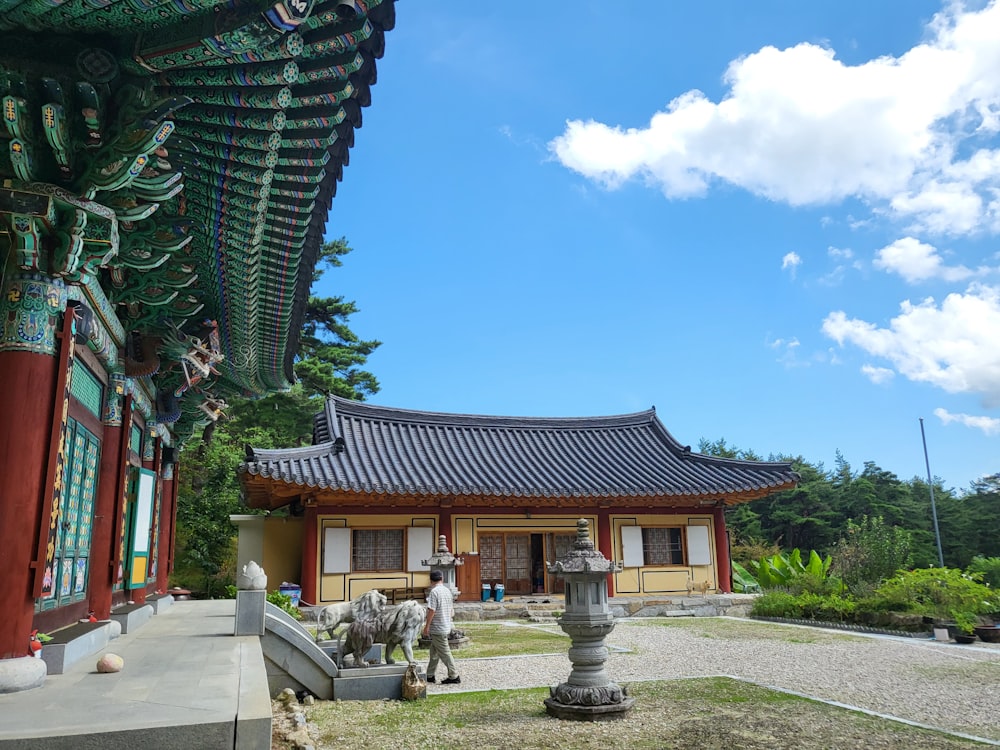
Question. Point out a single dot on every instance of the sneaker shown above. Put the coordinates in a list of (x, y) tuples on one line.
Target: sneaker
[(431, 678), (451, 680)]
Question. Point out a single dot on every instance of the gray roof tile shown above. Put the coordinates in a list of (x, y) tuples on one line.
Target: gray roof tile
[(388, 451)]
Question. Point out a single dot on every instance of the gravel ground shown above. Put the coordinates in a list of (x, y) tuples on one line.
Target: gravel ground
[(941, 685)]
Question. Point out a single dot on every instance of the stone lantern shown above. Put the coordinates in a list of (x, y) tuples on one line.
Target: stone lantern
[(588, 694), (446, 562)]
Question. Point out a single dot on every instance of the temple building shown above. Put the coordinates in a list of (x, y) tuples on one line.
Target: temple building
[(370, 498), (166, 172)]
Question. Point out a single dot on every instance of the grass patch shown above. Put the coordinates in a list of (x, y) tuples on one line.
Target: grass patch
[(694, 713), (500, 639)]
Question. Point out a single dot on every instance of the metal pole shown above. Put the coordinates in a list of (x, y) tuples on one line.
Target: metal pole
[(930, 485)]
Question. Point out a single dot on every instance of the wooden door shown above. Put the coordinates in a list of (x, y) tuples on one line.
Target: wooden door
[(517, 561), (467, 577), (491, 558)]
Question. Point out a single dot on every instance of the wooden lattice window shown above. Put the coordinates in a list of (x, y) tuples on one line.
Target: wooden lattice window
[(491, 557), (662, 546), (377, 550)]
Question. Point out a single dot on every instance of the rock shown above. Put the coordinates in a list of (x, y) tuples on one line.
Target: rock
[(110, 663)]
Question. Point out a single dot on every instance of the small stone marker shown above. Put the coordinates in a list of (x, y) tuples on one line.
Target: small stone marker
[(110, 663)]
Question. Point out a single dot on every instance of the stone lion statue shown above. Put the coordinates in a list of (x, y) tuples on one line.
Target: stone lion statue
[(399, 626), (365, 607)]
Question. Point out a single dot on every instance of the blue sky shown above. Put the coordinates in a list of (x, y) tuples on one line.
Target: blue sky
[(776, 222)]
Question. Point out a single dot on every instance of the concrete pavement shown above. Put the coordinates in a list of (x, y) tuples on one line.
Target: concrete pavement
[(188, 682)]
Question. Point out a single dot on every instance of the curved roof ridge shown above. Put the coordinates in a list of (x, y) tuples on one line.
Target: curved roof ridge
[(365, 410), (388, 451)]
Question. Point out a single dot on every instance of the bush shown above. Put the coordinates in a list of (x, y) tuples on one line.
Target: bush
[(944, 594), (284, 601), (776, 604), (870, 553), (988, 568), (806, 605)]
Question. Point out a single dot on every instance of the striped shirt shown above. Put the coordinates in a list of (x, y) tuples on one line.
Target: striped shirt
[(440, 601)]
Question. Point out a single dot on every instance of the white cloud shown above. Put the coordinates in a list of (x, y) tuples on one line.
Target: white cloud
[(878, 375), (952, 346), (791, 261), (989, 425), (788, 129), (917, 261), (787, 351)]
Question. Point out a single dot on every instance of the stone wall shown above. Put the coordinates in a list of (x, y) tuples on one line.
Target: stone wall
[(709, 605)]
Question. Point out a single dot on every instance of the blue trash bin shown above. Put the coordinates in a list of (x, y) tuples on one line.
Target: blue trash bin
[(292, 590), (487, 591), (498, 592)]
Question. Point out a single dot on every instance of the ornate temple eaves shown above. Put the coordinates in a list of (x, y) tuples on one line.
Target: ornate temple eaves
[(184, 155)]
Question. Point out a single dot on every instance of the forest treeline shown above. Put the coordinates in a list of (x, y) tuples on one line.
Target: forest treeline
[(815, 515)]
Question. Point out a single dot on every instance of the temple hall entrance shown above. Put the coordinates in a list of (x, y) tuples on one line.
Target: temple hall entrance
[(519, 560)]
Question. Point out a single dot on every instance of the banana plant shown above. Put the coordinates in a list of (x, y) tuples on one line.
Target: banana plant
[(778, 570)]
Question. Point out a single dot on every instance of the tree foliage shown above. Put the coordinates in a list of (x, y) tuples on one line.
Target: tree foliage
[(870, 552), (817, 514), (330, 353), (330, 361)]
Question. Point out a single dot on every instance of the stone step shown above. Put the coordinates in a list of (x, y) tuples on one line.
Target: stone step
[(383, 682)]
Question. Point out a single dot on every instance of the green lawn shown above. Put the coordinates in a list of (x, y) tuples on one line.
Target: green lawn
[(694, 713)]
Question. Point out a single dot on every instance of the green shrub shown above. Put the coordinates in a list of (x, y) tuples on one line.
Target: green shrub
[(284, 601), (871, 552), (805, 605), (776, 604), (988, 568), (944, 594)]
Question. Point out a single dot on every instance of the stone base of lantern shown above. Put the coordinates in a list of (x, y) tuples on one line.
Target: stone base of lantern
[(598, 703), (575, 712)]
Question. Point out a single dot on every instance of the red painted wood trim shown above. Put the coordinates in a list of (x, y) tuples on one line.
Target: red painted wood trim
[(121, 486), (56, 443), (724, 565), (310, 545), (102, 547), (604, 541)]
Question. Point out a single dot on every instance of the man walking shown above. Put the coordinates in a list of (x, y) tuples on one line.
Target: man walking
[(440, 610)]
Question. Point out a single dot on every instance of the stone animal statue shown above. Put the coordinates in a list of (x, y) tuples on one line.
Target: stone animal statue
[(365, 607), (399, 626)]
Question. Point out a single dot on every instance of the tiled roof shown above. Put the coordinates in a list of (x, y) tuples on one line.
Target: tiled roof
[(378, 450)]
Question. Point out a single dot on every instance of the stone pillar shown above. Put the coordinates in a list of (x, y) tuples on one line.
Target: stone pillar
[(588, 694), (251, 600)]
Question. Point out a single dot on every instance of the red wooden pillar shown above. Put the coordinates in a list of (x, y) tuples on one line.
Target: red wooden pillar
[(165, 545), (604, 541), (310, 554), (444, 527), (26, 403), (723, 562), (111, 485), (31, 402)]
